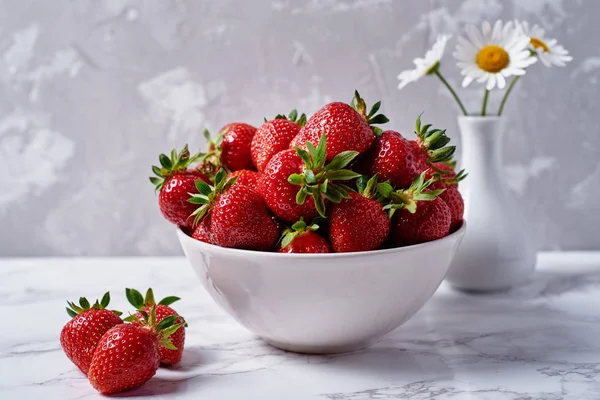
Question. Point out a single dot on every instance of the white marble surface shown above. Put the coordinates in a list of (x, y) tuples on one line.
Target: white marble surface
[(538, 342)]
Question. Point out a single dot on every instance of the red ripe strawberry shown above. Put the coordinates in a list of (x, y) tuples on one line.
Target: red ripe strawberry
[(430, 221), (275, 136), (127, 356), (454, 200), (347, 127), (292, 175), (81, 334), (238, 216), (163, 310), (392, 157), (202, 231), (301, 238), (245, 177), (418, 215), (360, 222), (230, 149), (174, 182), (445, 177), (279, 194), (400, 160)]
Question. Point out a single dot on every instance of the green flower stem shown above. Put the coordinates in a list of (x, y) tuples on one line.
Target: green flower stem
[(485, 100), (510, 88), (445, 82)]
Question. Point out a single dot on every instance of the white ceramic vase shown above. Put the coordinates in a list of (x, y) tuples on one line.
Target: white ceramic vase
[(496, 252)]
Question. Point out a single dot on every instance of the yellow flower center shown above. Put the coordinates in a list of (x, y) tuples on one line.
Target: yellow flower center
[(492, 58), (538, 44)]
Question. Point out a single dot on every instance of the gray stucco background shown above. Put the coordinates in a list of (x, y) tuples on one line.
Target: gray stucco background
[(92, 91)]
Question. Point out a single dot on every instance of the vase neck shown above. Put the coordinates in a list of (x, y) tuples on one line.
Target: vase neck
[(481, 141)]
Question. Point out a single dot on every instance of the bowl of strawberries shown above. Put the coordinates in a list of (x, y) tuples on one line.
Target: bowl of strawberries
[(318, 234)]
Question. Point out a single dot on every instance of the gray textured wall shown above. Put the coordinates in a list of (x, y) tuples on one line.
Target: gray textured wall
[(92, 91)]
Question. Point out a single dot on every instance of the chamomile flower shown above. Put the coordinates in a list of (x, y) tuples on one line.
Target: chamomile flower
[(426, 65), (547, 50), (491, 55)]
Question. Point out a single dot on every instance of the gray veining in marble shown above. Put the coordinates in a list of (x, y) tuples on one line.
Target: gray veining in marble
[(91, 91), (537, 342)]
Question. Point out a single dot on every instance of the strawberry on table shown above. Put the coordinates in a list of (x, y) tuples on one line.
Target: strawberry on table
[(81, 334), (359, 223), (163, 310), (275, 136), (230, 149), (174, 180), (238, 215), (293, 175), (399, 160), (347, 127), (418, 215), (303, 238), (127, 355)]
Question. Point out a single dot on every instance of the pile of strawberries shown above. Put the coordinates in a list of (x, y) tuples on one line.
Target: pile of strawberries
[(117, 354), (331, 183)]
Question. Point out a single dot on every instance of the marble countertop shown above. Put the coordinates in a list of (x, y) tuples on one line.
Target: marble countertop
[(540, 341)]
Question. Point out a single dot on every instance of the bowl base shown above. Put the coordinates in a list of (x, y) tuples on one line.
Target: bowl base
[(312, 349)]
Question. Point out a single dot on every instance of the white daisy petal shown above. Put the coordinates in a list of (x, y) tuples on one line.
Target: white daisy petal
[(425, 65), (501, 81), (467, 81), (491, 83)]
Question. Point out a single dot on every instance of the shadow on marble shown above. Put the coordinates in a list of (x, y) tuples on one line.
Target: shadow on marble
[(157, 386), (193, 357)]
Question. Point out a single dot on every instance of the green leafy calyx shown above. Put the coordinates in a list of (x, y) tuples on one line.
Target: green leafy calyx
[(140, 302), (135, 299), (164, 329), (208, 194), (170, 165), (73, 310), (211, 160), (293, 116), (319, 180), (407, 198), (434, 141), (371, 116), (367, 187), (448, 177), (296, 229)]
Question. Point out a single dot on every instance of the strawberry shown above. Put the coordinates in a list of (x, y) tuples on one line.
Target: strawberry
[(400, 160), (301, 238), (163, 310), (351, 216), (127, 355), (174, 181), (418, 215), (445, 177), (230, 149), (444, 174), (275, 136), (238, 216), (392, 158), (245, 177), (454, 201), (202, 231), (292, 175), (347, 127), (81, 334)]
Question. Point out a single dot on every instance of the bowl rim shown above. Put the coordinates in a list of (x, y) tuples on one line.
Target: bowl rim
[(272, 254)]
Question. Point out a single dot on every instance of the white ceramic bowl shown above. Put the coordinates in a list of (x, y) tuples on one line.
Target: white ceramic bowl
[(322, 303)]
